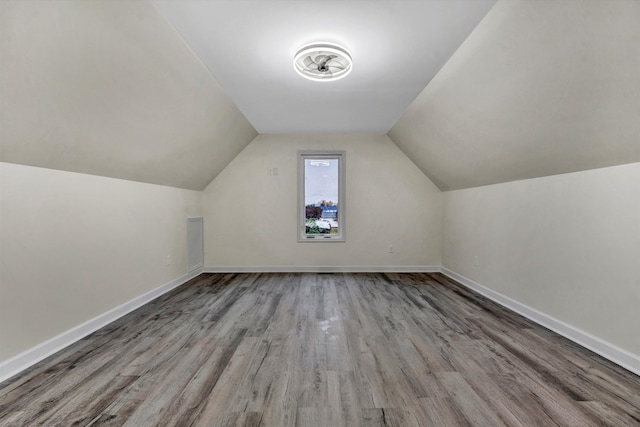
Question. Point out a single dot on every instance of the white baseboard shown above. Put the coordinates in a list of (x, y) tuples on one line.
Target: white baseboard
[(35, 354), (32, 356), (605, 349), (324, 269)]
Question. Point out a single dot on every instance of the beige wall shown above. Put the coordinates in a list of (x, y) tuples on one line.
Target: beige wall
[(566, 245), (250, 217), (75, 246)]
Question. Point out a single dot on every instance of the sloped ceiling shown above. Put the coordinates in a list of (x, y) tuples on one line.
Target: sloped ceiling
[(109, 88), (539, 88)]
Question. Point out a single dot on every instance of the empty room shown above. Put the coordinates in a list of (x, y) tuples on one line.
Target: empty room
[(319, 213)]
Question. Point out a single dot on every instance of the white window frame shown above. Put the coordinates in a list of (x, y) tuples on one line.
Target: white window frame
[(303, 237)]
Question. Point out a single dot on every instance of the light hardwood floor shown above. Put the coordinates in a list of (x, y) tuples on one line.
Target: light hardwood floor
[(322, 350)]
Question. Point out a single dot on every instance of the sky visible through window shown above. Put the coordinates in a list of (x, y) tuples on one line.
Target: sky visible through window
[(320, 180)]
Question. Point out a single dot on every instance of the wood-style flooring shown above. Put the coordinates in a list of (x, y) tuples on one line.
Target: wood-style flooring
[(322, 350)]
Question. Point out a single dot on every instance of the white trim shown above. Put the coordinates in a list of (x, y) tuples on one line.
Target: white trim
[(605, 349), (24, 360), (324, 269), (341, 156)]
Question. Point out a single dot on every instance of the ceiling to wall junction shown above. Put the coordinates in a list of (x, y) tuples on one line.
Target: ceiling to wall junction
[(540, 88), (397, 47), (109, 88), (169, 92)]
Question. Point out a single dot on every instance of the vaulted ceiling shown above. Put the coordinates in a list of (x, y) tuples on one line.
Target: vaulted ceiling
[(109, 88), (540, 88), (169, 92)]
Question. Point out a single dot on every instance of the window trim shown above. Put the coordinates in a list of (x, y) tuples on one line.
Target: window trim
[(301, 208)]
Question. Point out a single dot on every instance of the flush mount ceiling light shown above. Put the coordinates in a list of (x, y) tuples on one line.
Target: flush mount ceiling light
[(322, 62)]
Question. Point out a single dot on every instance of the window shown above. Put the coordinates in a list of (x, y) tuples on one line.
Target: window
[(321, 207)]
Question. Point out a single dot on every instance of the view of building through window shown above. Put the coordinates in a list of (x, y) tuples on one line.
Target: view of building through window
[(321, 195)]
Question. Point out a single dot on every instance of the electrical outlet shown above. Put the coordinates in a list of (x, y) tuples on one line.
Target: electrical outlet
[(272, 171), (168, 260), (390, 249), (476, 262)]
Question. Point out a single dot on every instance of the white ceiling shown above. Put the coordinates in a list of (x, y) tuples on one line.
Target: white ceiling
[(111, 88), (397, 48)]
